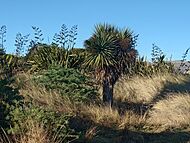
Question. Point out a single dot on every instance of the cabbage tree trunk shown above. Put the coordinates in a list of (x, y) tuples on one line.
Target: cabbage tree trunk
[(107, 92)]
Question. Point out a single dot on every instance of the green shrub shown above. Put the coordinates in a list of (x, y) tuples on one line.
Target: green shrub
[(54, 123), (9, 98), (17, 115), (69, 82)]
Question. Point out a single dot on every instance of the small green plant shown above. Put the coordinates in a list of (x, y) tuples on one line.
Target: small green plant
[(60, 53), (158, 58), (158, 65), (157, 54), (159, 62), (141, 67), (185, 65)]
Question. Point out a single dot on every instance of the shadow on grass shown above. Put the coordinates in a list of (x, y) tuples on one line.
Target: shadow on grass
[(172, 88), (110, 135), (142, 108), (138, 108)]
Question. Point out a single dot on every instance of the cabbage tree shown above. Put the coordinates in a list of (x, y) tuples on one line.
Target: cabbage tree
[(110, 52)]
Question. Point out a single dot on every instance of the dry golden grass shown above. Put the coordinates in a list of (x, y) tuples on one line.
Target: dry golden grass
[(35, 133), (132, 121), (173, 112), (168, 113), (91, 133), (102, 115), (110, 117), (143, 89)]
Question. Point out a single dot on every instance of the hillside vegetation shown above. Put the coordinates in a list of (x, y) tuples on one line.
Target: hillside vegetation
[(104, 93)]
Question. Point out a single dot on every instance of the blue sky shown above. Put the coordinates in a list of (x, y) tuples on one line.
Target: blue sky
[(163, 22)]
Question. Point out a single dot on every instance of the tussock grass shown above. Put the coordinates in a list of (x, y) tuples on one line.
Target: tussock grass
[(102, 115), (107, 117), (132, 121), (32, 132), (35, 132), (143, 89), (40, 96), (171, 113)]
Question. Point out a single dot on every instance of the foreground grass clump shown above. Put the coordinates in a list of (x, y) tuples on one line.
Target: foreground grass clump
[(26, 119), (111, 118)]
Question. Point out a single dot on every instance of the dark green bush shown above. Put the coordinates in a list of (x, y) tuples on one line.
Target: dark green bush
[(9, 98), (69, 82)]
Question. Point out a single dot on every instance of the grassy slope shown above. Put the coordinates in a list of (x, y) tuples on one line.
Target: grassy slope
[(147, 110)]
